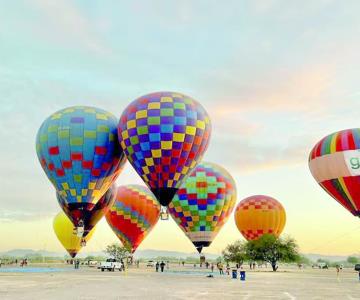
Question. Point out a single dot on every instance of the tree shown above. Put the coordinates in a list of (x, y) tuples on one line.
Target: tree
[(235, 253), (271, 249), (352, 260), (305, 260), (117, 251)]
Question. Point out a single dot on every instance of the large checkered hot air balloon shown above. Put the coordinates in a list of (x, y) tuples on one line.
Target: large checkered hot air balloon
[(133, 215), (164, 135), (79, 152), (64, 231), (335, 164), (204, 203), (259, 215)]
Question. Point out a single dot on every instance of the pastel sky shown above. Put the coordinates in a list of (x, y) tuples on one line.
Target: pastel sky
[(275, 77)]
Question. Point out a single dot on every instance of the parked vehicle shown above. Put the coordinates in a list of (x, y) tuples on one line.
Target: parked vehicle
[(110, 264), (150, 263)]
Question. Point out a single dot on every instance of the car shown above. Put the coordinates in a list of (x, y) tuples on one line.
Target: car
[(150, 263), (111, 265)]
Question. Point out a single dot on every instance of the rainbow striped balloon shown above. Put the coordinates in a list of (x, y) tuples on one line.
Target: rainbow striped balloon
[(335, 164)]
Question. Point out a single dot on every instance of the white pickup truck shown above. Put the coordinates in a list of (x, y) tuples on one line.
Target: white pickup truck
[(110, 264)]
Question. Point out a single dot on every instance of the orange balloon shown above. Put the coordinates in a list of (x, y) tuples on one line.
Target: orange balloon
[(259, 215), (133, 215)]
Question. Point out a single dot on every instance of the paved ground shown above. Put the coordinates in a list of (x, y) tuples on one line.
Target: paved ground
[(178, 283)]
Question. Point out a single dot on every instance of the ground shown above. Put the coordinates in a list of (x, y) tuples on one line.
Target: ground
[(63, 282)]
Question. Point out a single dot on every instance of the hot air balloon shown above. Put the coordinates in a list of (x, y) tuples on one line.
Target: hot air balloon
[(204, 203), (64, 231), (79, 152), (91, 216), (133, 215), (335, 164), (164, 135), (259, 215)]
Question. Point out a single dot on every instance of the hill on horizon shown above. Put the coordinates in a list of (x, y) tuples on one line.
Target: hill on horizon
[(151, 253)]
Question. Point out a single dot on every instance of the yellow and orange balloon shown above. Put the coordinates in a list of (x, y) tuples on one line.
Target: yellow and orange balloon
[(259, 215), (64, 230)]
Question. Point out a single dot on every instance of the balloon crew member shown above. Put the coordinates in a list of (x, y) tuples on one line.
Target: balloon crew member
[(157, 266), (162, 266)]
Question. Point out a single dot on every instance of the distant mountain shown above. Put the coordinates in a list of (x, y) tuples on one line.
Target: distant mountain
[(332, 258), (150, 253), (30, 252), (146, 254)]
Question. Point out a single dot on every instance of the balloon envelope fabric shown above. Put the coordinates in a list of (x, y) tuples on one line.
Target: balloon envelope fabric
[(164, 135), (79, 152), (335, 164), (89, 214), (204, 203), (258, 215), (64, 231), (133, 215)]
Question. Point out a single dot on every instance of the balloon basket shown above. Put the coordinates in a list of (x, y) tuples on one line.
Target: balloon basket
[(164, 215)]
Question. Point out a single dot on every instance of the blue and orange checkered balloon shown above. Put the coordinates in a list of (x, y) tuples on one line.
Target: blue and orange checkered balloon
[(164, 135), (79, 152), (204, 203)]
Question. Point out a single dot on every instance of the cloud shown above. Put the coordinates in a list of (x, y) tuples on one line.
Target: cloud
[(281, 90)]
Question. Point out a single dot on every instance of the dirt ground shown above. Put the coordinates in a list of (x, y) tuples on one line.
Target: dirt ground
[(63, 282)]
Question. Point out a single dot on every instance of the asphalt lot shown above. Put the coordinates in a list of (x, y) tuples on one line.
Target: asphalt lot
[(178, 283)]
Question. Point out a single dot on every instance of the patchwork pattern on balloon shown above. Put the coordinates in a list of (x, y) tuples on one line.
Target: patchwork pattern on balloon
[(164, 136)]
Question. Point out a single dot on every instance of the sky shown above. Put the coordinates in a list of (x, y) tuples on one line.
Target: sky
[(274, 76)]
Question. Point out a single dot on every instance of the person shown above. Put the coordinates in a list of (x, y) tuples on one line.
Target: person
[(212, 267), (254, 264), (227, 269), (207, 265), (137, 263), (157, 266), (162, 266), (183, 263), (221, 268), (337, 270), (250, 263)]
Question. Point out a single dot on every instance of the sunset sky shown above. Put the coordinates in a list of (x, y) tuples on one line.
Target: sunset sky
[(275, 78)]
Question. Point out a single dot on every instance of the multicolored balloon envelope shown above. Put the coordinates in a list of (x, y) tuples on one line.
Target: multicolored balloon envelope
[(64, 231), (259, 215), (89, 215), (133, 215), (164, 135), (335, 164), (204, 203), (79, 152)]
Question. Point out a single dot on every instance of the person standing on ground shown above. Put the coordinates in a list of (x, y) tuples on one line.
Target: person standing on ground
[(337, 270), (157, 266), (212, 268), (221, 268), (227, 269), (162, 266)]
